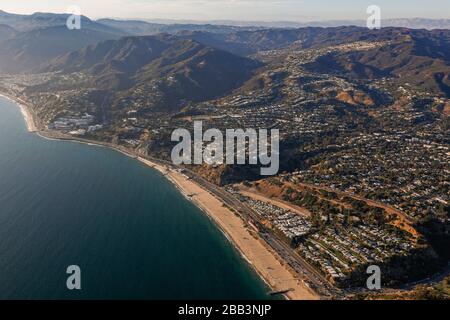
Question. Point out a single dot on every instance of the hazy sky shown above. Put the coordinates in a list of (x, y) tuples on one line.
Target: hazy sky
[(292, 10)]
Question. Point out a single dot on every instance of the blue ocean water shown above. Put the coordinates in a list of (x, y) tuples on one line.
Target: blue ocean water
[(128, 229)]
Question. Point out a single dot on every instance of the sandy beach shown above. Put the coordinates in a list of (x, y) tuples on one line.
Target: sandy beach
[(27, 115), (263, 260)]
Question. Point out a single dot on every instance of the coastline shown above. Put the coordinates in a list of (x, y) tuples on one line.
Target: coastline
[(262, 259), (26, 112)]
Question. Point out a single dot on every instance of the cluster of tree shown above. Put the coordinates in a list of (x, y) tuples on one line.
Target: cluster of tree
[(399, 269)]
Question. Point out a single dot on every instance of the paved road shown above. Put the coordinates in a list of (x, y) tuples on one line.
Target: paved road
[(295, 261)]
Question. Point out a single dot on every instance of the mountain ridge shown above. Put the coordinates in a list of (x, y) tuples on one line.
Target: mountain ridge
[(180, 69), (28, 49)]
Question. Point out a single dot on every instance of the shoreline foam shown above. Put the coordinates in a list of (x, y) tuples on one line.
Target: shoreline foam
[(262, 260), (25, 110)]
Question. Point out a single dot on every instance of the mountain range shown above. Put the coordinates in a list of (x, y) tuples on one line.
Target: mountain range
[(120, 64), (163, 70), (418, 57), (137, 27), (118, 55), (412, 23), (29, 40), (40, 20)]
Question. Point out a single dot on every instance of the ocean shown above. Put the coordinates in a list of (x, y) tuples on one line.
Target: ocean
[(133, 235)]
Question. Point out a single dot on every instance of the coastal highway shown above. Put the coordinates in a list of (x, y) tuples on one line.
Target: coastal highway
[(306, 272), (295, 261)]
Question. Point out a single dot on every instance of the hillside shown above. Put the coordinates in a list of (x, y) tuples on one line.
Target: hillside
[(124, 55), (142, 28), (28, 49), (250, 42), (6, 32), (39, 20), (162, 70), (421, 59)]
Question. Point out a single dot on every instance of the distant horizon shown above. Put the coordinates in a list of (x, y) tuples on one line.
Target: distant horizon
[(265, 21), (217, 21), (236, 10)]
